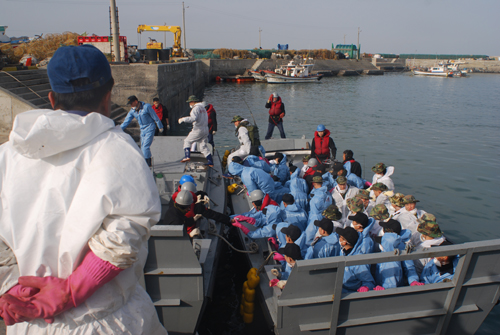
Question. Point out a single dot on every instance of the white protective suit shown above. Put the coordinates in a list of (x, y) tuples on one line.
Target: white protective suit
[(341, 203), (409, 221), (245, 144), (385, 179), (69, 183), (199, 118)]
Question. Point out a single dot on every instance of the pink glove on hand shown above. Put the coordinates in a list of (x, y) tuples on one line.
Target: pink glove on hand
[(278, 257), (273, 241), (18, 295), (244, 229), (59, 295), (416, 283), (273, 282), (245, 218), (379, 288), (363, 289)]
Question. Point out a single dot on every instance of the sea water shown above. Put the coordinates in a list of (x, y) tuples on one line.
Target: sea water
[(442, 135)]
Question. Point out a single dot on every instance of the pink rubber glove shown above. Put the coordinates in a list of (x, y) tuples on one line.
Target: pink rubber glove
[(363, 289), (368, 184), (378, 288), (18, 295), (245, 218), (278, 257), (59, 295), (273, 241), (273, 282), (416, 283), (244, 229)]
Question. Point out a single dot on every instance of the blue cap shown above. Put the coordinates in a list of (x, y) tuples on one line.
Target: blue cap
[(78, 62), (320, 128)]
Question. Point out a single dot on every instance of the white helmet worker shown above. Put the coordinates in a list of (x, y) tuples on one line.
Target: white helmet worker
[(188, 186), (256, 195), (312, 162), (184, 198)]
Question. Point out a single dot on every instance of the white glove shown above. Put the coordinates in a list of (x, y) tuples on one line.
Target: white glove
[(276, 272), (197, 217), (181, 120), (168, 127), (213, 133), (281, 284), (205, 200), (161, 130)]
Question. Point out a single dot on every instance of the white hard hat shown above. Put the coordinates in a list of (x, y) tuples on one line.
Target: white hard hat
[(312, 162), (184, 198), (256, 195), (188, 186)]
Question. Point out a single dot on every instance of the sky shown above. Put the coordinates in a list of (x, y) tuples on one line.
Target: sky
[(386, 26)]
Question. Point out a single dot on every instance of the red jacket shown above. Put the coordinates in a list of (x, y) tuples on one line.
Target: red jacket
[(268, 201), (158, 110), (212, 118)]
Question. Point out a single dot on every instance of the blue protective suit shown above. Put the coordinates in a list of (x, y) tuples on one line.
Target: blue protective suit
[(253, 178), (273, 216), (286, 273), (328, 181), (430, 273), (301, 241), (146, 117), (408, 266), (389, 274), (258, 163), (296, 216), (367, 245), (299, 189), (357, 275), (353, 179), (281, 170), (320, 200), (327, 246), (279, 191)]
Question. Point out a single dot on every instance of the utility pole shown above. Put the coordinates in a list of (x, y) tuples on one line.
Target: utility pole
[(114, 28), (260, 47), (184, 25), (164, 37), (358, 40), (344, 38)]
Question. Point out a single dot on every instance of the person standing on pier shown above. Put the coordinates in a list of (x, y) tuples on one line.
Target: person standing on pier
[(212, 123), (276, 115), (147, 118), (199, 118), (162, 113)]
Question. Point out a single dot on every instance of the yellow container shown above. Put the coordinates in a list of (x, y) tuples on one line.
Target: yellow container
[(248, 307), (247, 318)]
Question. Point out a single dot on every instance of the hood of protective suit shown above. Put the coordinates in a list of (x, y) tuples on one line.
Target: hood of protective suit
[(390, 241), (389, 171), (366, 231), (235, 169), (357, 250), (43, 133), (332, 239), (297, 184)]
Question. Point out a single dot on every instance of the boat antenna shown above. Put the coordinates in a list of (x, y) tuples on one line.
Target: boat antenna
[(254, 122)]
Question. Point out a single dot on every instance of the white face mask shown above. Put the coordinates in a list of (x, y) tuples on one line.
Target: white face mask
[(342, 191), (422, 238), (381, 247), (438, 263), (290, 265), (191, 106)]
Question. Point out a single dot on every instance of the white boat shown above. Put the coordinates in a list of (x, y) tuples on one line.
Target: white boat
[(293, 73), (259, 75), (436, 71)]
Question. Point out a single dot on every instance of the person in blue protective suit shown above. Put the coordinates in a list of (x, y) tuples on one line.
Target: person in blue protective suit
[(394, 227), (292, 213), (292, 253), (259, 202), (299, 189), (389, 274), (326, 242), (352, 179), (253, 178), (320, 200), (272, 218), (363, 225), (289, 233), (440, 269), (254, 160), (279, 168), (356, 277), (146, 117)]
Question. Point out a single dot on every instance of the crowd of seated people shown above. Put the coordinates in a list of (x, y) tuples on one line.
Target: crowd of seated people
[(318, 211)]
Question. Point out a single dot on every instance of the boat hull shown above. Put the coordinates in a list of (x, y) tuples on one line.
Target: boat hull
[(281, 79), (432, 74), (312, 302)]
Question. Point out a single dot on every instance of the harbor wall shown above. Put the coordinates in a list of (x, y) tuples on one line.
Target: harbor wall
[(172, 83), (10, 106)]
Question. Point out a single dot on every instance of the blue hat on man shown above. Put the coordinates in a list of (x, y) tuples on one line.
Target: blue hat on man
[(77, 69), (321, 128)]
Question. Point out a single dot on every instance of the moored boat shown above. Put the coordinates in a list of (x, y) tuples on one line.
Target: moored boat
[(179, 274), (293, 73), (312, 300)]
